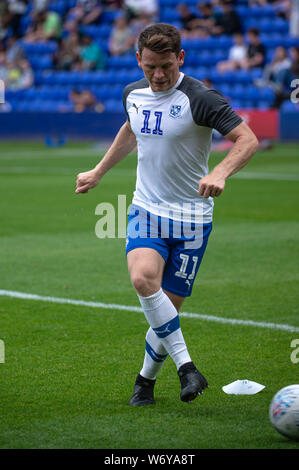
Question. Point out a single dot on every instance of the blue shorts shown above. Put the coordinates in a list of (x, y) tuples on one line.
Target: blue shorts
[(181, 245)]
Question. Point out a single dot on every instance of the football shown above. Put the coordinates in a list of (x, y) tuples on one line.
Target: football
[(284, 411)]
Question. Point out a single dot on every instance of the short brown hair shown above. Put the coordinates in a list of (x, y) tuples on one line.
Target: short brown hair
[(160, 38)]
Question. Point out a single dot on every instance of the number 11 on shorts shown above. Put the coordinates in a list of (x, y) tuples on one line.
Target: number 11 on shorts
[(183, 269)]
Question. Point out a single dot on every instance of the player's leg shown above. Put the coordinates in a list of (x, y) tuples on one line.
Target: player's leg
[(178, 278), (146, 267), (177, 300), (146, 262), (155, 353)]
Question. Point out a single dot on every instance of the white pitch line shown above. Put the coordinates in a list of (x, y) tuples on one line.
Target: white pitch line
[(131, 308), (23, 170)]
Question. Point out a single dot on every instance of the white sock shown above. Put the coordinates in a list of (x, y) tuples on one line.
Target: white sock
[(163, 317), (155, 355)]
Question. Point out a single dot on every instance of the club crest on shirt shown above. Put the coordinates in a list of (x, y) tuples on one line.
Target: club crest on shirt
[(175, 111)]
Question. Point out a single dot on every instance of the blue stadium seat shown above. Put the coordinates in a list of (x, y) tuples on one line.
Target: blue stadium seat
[(236, 104), (127, 60), (266, 95), (96, 31), (168, 15), (46, 47), (262, 105), (238, 91), (260, 11), (247, 104), (41, 62), (113, 105), (109, 16), (289, 106), (52, 88)]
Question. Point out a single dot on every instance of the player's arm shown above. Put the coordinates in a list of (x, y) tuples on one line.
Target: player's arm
[(245, 146), (123, 144)]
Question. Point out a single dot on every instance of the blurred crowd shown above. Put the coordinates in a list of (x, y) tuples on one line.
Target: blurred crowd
[(216, 17), (79, 51)]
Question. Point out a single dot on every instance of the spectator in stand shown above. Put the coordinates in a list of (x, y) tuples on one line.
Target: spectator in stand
[(3, 64), (285, 78), (35, 27), (68, 52), (39, 6), (91, 54), (16, 10), (46, 26), (255, 56), (187, 19), (122, 39), (27, 76), (294, 19), (295, 62), (86, 12), (84, 100), (282, 8), (52, 27), (275, 70), (236, 53), (204, 25), (134, 8), (261, 3), (228, 22), (19, 75), (113, 4), (207, 82), (138, 24), (14, 51), (4, 19)]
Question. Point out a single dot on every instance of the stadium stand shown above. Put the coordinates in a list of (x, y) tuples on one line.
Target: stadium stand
[(52, 87)]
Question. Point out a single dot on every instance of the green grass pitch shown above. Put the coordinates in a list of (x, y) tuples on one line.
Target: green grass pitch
[(69, 370)]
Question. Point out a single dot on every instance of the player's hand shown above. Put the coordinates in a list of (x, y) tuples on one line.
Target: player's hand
[(86, 181), (211, 185)]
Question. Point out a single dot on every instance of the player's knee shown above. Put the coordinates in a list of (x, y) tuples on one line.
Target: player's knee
[(145, 283)]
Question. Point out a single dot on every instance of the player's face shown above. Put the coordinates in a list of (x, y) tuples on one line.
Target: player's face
[(161, 70)]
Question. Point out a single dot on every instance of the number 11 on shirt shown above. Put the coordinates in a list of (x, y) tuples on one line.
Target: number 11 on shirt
[(146, 129)]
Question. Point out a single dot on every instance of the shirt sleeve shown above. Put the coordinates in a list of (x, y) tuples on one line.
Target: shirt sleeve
[(212, 110), (125, 95)]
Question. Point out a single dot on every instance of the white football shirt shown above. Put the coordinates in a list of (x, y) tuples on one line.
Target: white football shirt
[(173, 130)]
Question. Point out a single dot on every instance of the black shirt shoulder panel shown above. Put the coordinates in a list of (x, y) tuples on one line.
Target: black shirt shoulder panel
[(143, 83), (208, 106)]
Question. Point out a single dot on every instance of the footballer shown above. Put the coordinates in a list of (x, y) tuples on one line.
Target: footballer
[(170, 117)]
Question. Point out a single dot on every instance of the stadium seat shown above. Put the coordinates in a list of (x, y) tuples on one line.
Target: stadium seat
[(52, 87), (289, 106)]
